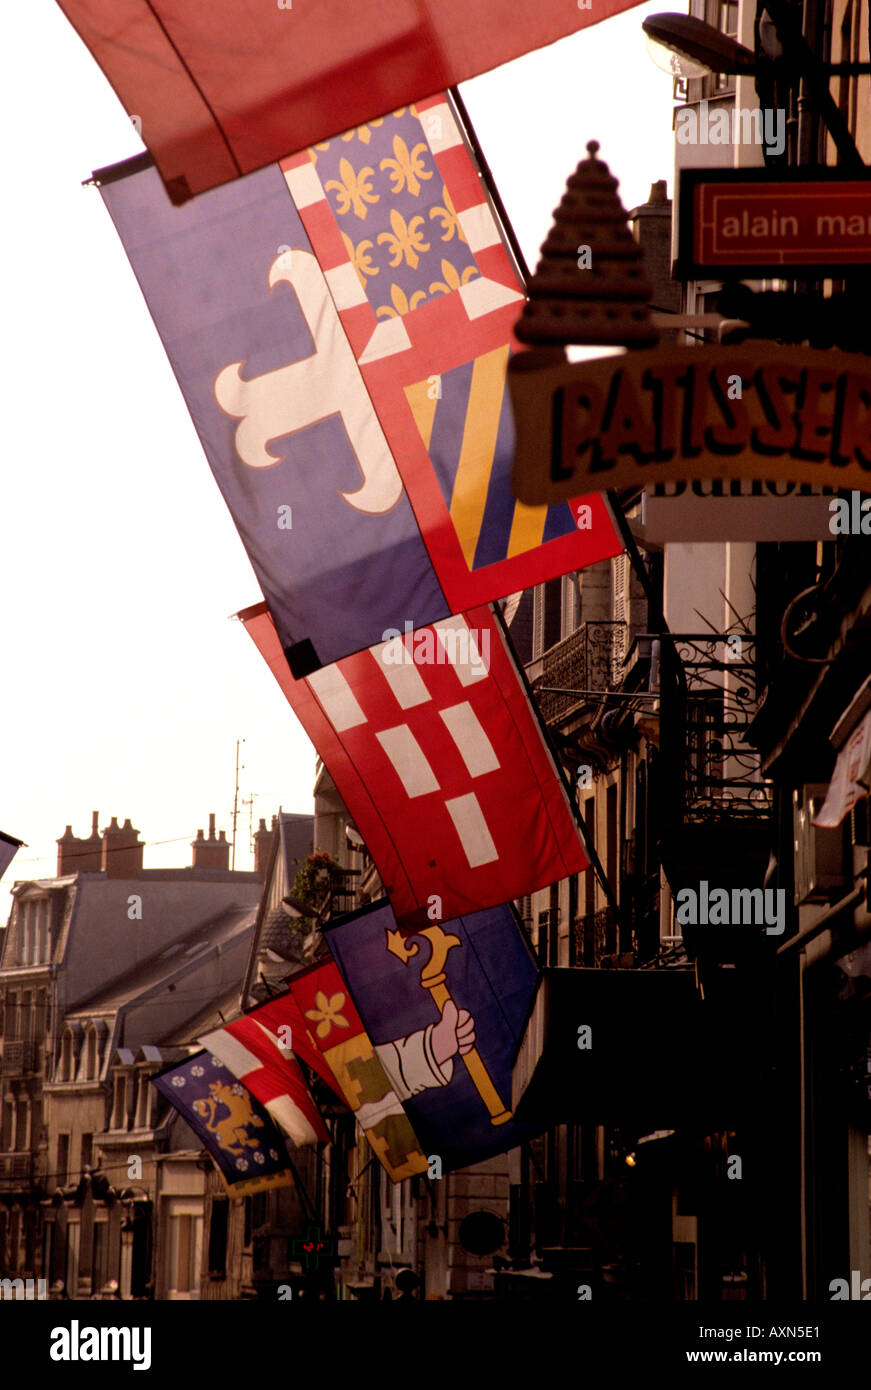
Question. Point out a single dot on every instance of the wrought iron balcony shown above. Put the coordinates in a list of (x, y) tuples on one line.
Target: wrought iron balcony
[(18, 1058), (594, 936), (709, 698), (16, 1167), (589, 659)]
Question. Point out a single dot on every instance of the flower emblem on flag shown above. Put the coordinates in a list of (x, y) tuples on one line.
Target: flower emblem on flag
[(406, 168), (327, 1012), (178, 1081), (197, 1071), (353, 188)]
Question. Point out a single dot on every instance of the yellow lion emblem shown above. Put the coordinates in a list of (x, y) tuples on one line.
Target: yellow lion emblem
[(231, 1130)]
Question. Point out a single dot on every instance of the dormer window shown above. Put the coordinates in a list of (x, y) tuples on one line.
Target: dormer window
[(90, 1071), (66, 1056)]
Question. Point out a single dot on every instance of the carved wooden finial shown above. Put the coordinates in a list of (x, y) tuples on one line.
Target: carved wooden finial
[(589, 286)]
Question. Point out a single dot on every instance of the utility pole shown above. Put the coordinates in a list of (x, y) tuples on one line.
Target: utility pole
[(239, 741)]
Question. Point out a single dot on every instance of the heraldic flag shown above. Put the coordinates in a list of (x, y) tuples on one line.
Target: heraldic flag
[(445, 1007), (350, 1064), (340, 326), (248, 1150), (255, 1050), (221, 89), (442, 763)]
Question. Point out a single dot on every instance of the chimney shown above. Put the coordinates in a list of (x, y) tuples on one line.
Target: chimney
[(122, 850), (80, 856), (651, 225), (263, 846), (211, 853)]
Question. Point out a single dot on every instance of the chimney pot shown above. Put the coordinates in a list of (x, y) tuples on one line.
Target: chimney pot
[(211, 825), (95, 825)]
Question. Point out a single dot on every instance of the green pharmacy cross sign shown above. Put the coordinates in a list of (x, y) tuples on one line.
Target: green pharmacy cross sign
[(314, 1247)]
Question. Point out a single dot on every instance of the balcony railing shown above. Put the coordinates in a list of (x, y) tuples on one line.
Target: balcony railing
[(588, 659), (18, 1058), (594, 936), (15, 1167), (709, 698)]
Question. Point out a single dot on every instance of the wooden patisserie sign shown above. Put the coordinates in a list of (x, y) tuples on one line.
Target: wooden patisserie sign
[(754, 411)]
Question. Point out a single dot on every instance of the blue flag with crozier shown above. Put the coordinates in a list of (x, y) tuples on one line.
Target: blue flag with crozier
[(247, 319), (249, 1152), (444, 1006)]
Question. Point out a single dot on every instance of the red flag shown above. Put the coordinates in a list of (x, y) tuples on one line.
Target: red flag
[(437, 753), (221, 89), (255, 1050)]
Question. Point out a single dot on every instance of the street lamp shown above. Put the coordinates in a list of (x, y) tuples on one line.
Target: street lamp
[(697, 44), (785, 49)]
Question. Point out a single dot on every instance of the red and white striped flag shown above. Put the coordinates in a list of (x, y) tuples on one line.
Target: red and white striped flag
[(260, 1054), (440, 758)]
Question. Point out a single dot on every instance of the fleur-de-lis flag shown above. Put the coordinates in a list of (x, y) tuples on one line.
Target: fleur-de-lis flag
[(340, 326)]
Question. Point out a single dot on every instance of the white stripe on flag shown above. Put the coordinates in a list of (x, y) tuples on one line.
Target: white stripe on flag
[(475, 748), (337, 698), (409, 760), (471, 827), (231, 1052), (287, 1113), (461, 650), (304, 186), (406, 682)]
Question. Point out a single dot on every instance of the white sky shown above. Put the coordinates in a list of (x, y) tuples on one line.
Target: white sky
[(124, 686)]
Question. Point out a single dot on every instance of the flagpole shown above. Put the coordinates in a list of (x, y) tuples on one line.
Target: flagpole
[(471, 138)]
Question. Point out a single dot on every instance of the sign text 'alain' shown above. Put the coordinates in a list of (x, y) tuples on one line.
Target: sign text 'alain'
[(758, 411)]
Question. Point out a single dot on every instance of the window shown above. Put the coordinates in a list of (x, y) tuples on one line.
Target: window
[(7, 1126), (66, 1056), (119, 1104), (87, 1152), (12, 1017), (218, 1238), (62, 1165), (589, 876), (22, 1117), (184, 1249), (91, 1055)]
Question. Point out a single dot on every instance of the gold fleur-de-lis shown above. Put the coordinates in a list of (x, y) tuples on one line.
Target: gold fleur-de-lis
[(447, 215), (401, 303), (405, 240), (327, 1013), (361, 258), (453, 280), (363, 132), (355, 189), (407, 168)]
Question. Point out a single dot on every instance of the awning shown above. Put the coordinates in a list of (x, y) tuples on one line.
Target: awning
[(638, 1048)]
